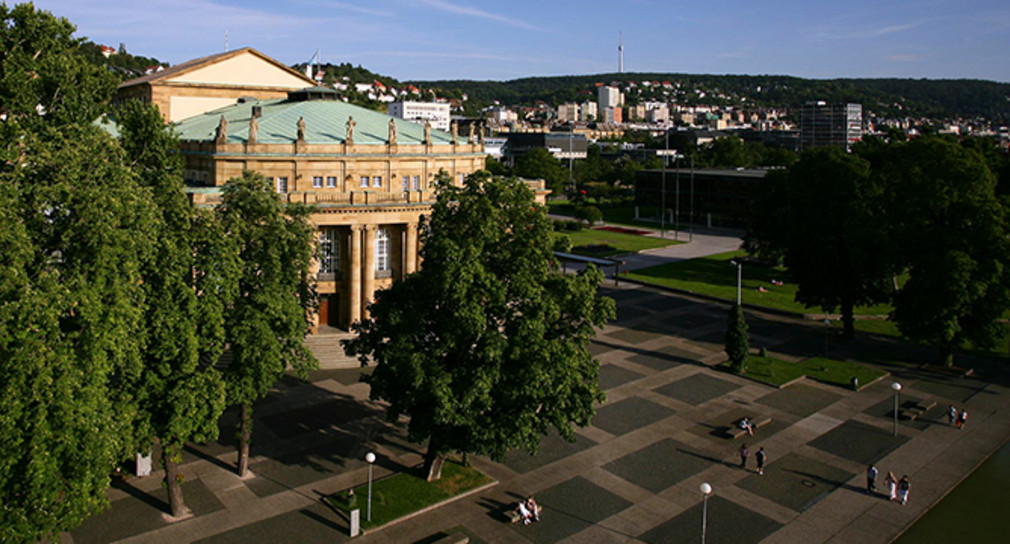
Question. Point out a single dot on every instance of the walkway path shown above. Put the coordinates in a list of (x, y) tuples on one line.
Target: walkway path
[(632, 476)]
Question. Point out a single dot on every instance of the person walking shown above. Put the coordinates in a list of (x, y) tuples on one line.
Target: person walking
[(761, 457), (961, 419), (952, 415), (871, 479), (892, 486), (744, 452), (904, 486)]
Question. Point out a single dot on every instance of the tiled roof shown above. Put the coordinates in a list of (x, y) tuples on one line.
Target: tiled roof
[(325, 123)]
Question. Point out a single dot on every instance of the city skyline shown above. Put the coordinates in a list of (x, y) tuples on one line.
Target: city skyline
[(450, 39)]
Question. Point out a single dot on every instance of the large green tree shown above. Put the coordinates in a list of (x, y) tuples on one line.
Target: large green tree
[(950, 232), (539, 163), (267, 323), (188, 282), (74, 230), (486, 347), (825, 217)]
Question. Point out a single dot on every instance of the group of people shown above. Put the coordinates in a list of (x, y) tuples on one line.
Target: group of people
[(897, 490), (957, 418), (528, 510), (761, 457)]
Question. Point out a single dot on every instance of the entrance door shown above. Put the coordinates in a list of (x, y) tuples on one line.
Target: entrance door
[(324, 310), (333, 317)]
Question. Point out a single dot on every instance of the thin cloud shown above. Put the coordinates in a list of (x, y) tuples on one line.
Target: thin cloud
[(439, 54), (474, 12), (868, 32)]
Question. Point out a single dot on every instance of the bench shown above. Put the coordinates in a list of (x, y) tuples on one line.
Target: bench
[(454, 537), (916, 410), (734, 431), (514, 517)]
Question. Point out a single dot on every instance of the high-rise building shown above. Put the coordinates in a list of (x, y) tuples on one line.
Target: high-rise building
[(609, 97), (823, 125), (588, 112)]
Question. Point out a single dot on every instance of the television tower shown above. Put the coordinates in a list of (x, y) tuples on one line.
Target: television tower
[(620, 54)]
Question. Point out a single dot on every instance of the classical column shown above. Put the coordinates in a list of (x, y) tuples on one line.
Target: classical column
[(368, 269), (354, 283), (410, 249)]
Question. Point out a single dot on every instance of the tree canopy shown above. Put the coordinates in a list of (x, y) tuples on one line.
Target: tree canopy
[(267, 323), (825, 217), (486, 347), (75, 228), (539, 163)]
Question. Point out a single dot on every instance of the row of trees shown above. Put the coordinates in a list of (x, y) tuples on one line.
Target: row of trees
[(916, 224), (118, 296)]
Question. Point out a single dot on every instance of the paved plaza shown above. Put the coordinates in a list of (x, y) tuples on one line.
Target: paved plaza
[(633, 476)]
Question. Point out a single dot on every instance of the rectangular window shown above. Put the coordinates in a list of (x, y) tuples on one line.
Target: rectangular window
[(329, 253), (417, 183), (406, 183), (331, 182), (461, 179), (364, 181), (317, 182), (377, 181), (382, 251), (282, 185)]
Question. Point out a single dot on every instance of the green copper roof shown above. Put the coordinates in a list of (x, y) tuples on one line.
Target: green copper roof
[(325, 123)]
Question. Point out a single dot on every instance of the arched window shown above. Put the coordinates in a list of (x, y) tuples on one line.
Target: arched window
[(382, 248)]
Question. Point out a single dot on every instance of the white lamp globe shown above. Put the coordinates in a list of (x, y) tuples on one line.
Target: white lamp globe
[(896, 386), (370, 457), (705, 489)]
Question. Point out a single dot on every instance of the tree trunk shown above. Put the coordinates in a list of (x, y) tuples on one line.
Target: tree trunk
[(946, 358), (244, 436), (170, 460), (848, 320), (433, 461)]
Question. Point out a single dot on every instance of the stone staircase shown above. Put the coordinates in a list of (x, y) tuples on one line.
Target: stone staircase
[(325, 345)]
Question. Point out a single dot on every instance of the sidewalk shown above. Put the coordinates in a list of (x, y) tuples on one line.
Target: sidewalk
[(632, 476)]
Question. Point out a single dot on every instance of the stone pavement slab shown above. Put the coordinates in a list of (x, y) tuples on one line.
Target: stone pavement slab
[(697, 389), (612, 376), (795, 481), (800, 400), (659, 466), (552, 448), (317, 523), (571, 507), (728, 523), (142, 512), (859, 442), (628, 415)]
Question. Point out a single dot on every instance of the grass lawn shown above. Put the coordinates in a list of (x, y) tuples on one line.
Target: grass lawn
[(715, 276), (619, 215), (834, 371), (407, 492), (602, 243)]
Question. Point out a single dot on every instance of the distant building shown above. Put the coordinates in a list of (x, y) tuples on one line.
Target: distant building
[(588, 112), (419, 112), (659, 114), (823, 125), (611, 115), (609, 97), (562, 145), (717, 197), (568, 113)]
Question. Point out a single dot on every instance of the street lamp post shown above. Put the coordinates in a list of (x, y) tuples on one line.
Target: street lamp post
[(897, 388), (676, 208), (706, 490), (691, 235), (739, 279), (662, 193), (827, 329), (370, 458)]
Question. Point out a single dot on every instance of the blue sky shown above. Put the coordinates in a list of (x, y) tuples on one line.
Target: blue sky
[(451, 39)]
